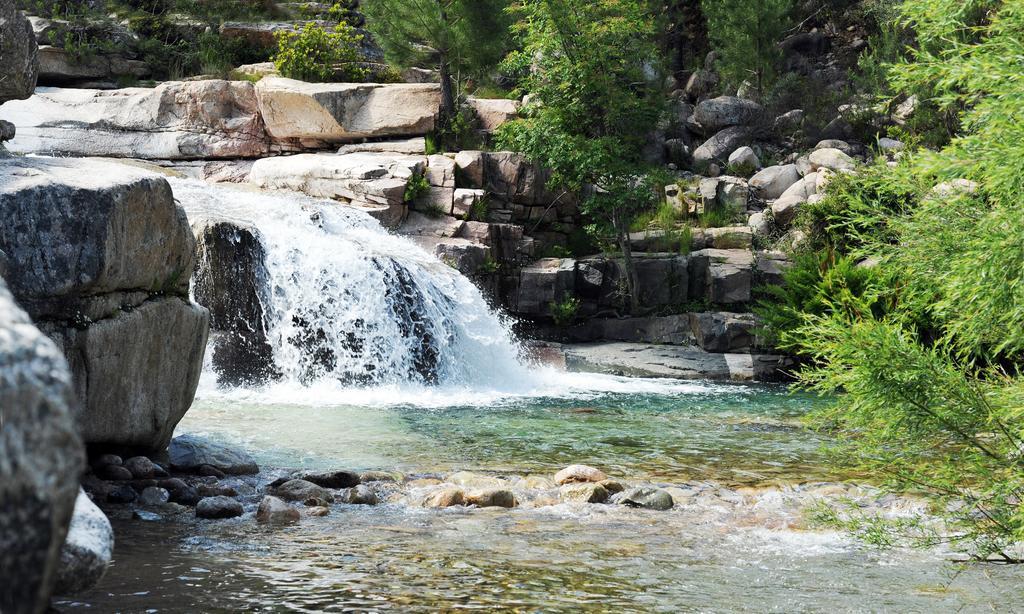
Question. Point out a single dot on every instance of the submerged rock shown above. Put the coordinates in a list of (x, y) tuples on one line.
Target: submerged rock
[(330, 479), (583, 493), (154, 495), (579, 473), (301, 490), (646, 497), (275, 511), (87, 550), (359, 495), (492, 497), (449, 496), (219, 507), (140, 467), (188, 453)]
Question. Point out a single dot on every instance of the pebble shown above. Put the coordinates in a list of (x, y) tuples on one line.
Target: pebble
[(218, 508), (301, 490), (579, 473), (276, 511), (121, 493), (147, 516), (612, 486), (330, 479), (141, 467), (492, 497), (646, 497), (318, 511), (154, 495), (583, 493), (380, 476), (107, 459), (360, 495), (449, 496), (216, 490), (114, 473)]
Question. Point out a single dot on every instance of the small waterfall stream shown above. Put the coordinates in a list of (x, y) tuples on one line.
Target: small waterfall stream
[(348, 302), (356, 315)]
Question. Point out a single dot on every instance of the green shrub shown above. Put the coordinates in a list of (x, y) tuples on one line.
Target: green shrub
[(315, 54), (928, 355), (565, 311), (417, 186)]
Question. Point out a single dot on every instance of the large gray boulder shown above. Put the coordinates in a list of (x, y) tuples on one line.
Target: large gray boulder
[(173, 121), (715, 114), (773, 181), (319, 114), (101, 255), (719, 146), (41, 459), (18, 62), (136, 373), (87, 550), (75, 229)]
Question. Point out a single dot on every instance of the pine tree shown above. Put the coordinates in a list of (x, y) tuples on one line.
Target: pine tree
[(592, 65), (746, 36), (458, 37)]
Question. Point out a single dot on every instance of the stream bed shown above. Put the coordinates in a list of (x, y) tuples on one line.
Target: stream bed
[(741, 544)]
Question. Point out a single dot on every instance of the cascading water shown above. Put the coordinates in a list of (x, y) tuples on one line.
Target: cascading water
[(357, 315), (347, 302)]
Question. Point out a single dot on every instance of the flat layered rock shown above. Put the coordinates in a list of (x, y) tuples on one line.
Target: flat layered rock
[(177, 120), (334, 113), (373, 182), (675, 362)]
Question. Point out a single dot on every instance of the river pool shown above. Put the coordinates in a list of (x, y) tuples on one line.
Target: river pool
[(740, 544)]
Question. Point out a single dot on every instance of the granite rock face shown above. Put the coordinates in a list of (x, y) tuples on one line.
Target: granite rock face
[(100, 255), (19, 66), (229, 280), (41, 458), (177, 120)]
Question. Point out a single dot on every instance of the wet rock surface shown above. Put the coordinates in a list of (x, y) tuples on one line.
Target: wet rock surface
[(189, 453)]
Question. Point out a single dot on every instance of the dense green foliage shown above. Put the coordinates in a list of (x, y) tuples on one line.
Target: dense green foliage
[(588, 64), (745, 34), (462, 39), (927, 346), (317, 54)]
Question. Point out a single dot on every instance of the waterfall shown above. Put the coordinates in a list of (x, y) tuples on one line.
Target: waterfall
[(347, 302), (355, 315)]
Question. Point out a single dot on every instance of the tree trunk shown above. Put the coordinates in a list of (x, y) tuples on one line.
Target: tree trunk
[(447, 94), (632, 281)]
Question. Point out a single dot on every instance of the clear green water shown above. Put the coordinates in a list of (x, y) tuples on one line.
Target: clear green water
[(752, 555)]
